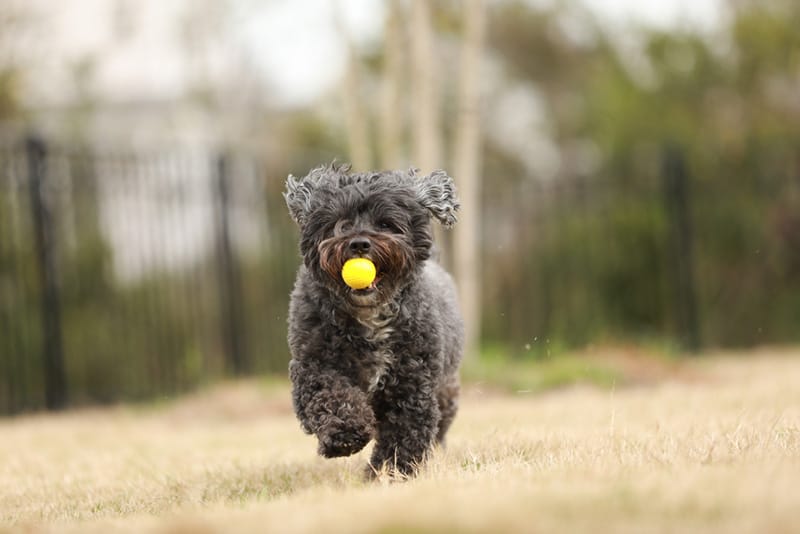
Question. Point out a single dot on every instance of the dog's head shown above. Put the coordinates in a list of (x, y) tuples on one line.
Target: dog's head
[(382, 216)]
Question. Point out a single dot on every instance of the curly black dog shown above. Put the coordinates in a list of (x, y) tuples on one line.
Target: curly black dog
[(379, 362)]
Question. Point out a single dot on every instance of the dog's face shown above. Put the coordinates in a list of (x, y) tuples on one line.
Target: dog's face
[(383, 216)]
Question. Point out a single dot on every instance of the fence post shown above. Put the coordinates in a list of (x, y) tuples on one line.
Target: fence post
[(55, 383), (680, 243), (230, 288)]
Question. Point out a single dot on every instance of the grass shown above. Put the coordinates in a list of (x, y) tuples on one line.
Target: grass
[(711, 445)]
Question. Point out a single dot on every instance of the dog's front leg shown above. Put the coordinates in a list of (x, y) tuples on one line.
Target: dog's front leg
[(408, 418), (329, 406)]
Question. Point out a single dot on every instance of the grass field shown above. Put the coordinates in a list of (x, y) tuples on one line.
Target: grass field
[(706, 446)]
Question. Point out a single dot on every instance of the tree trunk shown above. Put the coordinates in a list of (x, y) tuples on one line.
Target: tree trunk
[(355, 116), (468, 174), (425, 104), (427, 146), (391, 122)]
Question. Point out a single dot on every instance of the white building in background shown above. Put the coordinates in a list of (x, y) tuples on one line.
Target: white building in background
[(138, 72), (156, 80)]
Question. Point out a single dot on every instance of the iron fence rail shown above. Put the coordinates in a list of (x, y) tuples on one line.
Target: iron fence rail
[(131, 275)]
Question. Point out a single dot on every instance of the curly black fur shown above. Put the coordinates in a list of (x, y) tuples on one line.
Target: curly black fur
[(380, 362)]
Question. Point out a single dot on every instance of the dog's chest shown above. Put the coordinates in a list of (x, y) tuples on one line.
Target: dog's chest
[(378, 331)]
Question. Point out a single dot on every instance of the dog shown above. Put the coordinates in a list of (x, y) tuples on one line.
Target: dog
[(380, 362)]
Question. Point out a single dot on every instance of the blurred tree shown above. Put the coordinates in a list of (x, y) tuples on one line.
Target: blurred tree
[(391, 115), (8, 94), (15, 25), (426, 105), (468, 175), (355, 112), (425, 90)]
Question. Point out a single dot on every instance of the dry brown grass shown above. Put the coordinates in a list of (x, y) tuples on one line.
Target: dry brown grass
[(713, 447)]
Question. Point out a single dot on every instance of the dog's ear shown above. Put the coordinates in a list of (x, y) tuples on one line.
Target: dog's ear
[(437, 193), (298, 197)]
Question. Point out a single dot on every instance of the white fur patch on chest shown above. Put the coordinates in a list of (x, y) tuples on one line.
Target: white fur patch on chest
[(378, 331)]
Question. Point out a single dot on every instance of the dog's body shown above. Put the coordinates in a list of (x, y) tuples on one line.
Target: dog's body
[(380, 362)]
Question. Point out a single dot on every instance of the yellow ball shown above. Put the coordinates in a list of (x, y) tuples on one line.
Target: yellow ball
[(358, 273)]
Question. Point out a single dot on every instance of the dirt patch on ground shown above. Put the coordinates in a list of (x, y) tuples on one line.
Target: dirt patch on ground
[(639, 366), (233, 401)]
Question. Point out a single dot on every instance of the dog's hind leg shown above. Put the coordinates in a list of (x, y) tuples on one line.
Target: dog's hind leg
[(448, 407), (408, 418)]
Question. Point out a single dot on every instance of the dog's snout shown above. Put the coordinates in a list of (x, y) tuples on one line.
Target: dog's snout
[(359, 245)]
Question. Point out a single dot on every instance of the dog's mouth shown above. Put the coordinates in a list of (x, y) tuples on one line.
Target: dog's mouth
[(372, 288), (369, 296)]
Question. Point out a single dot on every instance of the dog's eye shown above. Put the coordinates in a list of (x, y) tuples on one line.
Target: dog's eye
[(386, 226), (342, 226)]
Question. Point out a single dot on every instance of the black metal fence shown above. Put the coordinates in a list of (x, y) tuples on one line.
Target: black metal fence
[(136, 275), (682, 251)]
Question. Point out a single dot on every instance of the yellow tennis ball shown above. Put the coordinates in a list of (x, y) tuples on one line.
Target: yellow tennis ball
[(358, 273)]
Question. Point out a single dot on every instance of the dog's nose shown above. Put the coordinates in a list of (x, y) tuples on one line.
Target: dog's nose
[(359, 245)]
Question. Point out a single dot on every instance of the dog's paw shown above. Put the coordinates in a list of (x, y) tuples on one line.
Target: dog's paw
[(342, 440)]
